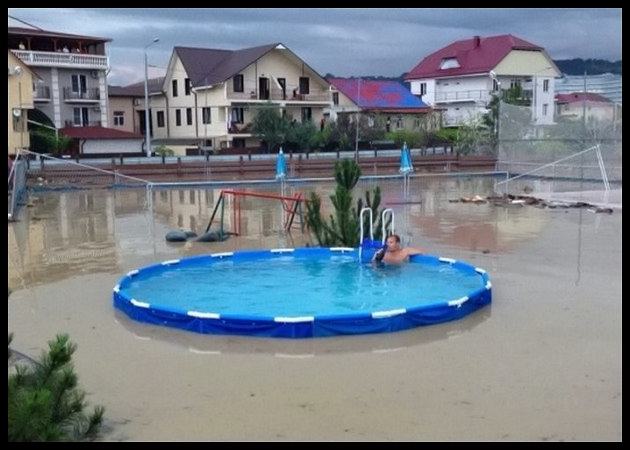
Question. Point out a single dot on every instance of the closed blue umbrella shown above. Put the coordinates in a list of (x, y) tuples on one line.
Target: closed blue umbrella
[(405, 160), (281, 166)]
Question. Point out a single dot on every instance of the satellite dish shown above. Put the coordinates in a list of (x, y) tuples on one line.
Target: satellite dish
[(17, 112), (17, 70)]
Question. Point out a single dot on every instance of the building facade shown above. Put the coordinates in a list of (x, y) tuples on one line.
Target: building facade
[(463, 76), (209, 97), (72, 88), (20, 95)]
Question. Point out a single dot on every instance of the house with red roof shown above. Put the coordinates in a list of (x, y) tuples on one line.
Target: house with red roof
[(463, 76), (387, 101), (576, 105), (209, 97)]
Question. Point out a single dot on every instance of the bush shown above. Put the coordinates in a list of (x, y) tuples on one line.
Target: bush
[(412, 138), (44, 402), (163, 150)]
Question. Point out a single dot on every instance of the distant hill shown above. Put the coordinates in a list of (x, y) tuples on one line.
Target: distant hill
[(576, 66), (400, 79)]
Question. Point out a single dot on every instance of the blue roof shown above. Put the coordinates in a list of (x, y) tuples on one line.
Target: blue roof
[(372, 94)]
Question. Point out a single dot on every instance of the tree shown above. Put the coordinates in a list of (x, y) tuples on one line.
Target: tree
[(343, 227), (302, 135), (163, 150), (44, 402), (269, 126), (47, 141)]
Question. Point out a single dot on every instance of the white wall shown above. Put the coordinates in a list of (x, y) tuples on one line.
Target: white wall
[(429, 97), (541, 98), (99, 146)]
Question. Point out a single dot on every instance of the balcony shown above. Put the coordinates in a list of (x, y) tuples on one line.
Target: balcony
[(57, 59), (90, 95), (463, 96), (92, 123), (291, 94), (41, 94)]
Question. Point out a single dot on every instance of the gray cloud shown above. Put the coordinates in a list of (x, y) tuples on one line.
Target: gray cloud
[(341, 41)]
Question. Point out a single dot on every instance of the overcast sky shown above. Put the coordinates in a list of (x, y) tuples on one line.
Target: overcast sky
[(344, 42)]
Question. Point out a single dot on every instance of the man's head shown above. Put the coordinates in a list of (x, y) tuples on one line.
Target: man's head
[(393, 242)]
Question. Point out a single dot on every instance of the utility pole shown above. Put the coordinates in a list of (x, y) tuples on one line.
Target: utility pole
[(584, 111), (356, 138)]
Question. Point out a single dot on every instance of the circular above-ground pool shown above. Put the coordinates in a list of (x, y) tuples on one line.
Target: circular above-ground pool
[(302, 292)]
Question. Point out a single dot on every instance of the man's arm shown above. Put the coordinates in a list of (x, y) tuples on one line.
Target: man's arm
[(410, 251)]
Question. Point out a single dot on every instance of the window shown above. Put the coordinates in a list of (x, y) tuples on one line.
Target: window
[(283, 85), (178, 117), (237, 115), (399, 122), (423, 89), (191, 194), (545, 85), (545, 106), (174, 88), (515, 82), (160, 119), (449, 63), (81, 117), (307, 114), (189, 116), (119, 118), (238, 83), (304, 85), (79, 83), (335, 98), (187, 86), (205, 115), (495, 85)]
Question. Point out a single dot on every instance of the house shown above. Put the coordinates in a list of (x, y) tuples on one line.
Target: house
[(387, 101), (209, 97), (126, 112), (462, 77), (586, 104), (103, 142), (21, 80), (72, 88)]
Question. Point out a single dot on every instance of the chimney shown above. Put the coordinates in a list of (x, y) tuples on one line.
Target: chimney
[(476, 41)]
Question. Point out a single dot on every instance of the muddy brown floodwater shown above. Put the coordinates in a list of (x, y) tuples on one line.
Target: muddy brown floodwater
[(541, 363)]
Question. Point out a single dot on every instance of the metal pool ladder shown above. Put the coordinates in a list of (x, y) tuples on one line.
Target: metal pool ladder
[(383, 222)]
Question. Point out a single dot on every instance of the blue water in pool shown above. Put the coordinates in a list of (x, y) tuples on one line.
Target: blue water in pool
[(297, 286)]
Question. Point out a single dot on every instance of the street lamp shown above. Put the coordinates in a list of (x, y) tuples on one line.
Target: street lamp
[(493, 76), (146, 98)]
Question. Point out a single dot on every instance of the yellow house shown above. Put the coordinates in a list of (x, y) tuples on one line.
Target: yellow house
[(20, 101)]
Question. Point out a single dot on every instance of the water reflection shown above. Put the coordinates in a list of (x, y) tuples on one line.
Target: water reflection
[(92, 231)]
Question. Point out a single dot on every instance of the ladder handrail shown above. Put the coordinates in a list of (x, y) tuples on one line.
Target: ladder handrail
[(361, 224), (391, 212)]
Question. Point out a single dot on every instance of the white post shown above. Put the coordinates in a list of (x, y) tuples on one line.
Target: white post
[(146, 99)]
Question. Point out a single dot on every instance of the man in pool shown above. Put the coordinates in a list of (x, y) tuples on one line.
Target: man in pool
[(394, 253)]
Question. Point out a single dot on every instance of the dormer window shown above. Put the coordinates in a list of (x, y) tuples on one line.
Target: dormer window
[(449, 63)]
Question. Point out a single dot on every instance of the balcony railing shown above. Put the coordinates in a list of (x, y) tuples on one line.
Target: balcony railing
[(41, 93), (57, 59), (92, 123), (463, 96), (239, 128), (276, 94), (92, 94)]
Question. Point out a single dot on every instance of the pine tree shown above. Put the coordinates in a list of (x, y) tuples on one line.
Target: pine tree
[(44, 401)]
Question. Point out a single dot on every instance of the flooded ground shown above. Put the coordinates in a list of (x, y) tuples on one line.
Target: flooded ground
[(542, 363)]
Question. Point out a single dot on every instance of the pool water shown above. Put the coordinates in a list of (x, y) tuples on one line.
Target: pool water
[(298, 286)]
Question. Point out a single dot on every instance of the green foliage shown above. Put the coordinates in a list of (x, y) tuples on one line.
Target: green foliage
[(47, 142), (269, 126), (163, 150), (412, 138), (302, 135), (446, 135), (471, 137), (343, 226), (44, 401)]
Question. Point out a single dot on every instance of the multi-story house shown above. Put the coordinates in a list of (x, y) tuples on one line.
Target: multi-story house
[(462, 77), (21, 80), (209, 96), (126, 105), (72, 86), (387, 102)]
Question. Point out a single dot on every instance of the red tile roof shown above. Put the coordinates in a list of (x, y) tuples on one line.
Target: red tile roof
[(98, 133), (476, 55), (581, 96)]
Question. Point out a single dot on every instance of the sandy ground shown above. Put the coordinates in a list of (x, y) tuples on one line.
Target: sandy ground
[(542, 363)]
